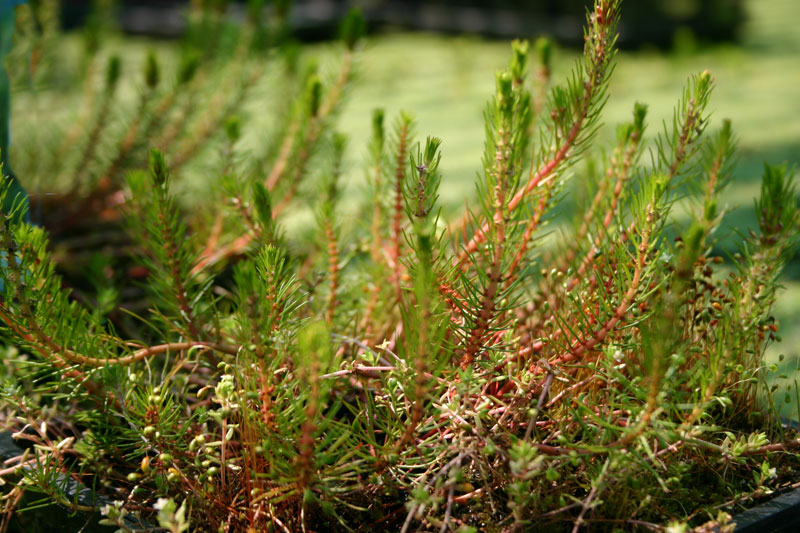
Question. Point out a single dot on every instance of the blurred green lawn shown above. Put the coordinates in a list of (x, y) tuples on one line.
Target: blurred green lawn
[(445, 81)]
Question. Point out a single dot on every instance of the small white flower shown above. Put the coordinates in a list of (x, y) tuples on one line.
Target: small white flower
[(161, 503)]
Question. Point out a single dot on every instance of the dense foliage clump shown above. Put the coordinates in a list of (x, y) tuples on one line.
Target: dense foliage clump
[(406, 371)]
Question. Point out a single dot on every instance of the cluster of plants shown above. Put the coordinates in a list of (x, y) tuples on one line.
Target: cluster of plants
[(405, 371)]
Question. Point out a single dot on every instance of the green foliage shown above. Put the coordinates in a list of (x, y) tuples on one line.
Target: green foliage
[(400, 370)]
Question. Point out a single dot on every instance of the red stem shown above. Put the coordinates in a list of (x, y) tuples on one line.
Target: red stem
[(397, 227)]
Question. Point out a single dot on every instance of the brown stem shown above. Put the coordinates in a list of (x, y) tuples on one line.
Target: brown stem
[(94, 136), (175, 128), (302, 159), (531, 227), (377, 225), (212, 125), (214, 235), (79, 126), (582, 346), (366, 324), (547, 169), (333, 268), (305, 460), (279, 166), (240, 206), (267, 389), (420, 368), (487, 311), (330, 104), (42, 343), (622, 173), (170, 248), (129, 142), (397, 227)]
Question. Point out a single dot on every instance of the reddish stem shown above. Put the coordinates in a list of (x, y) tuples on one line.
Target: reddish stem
[(397, 223)]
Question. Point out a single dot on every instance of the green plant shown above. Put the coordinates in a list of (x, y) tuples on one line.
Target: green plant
[(407, 371)]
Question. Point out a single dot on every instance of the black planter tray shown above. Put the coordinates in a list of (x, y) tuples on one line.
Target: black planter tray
[(55, 517), (778, 515)]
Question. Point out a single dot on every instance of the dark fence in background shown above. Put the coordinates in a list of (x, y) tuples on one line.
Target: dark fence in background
[(644, 22)]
